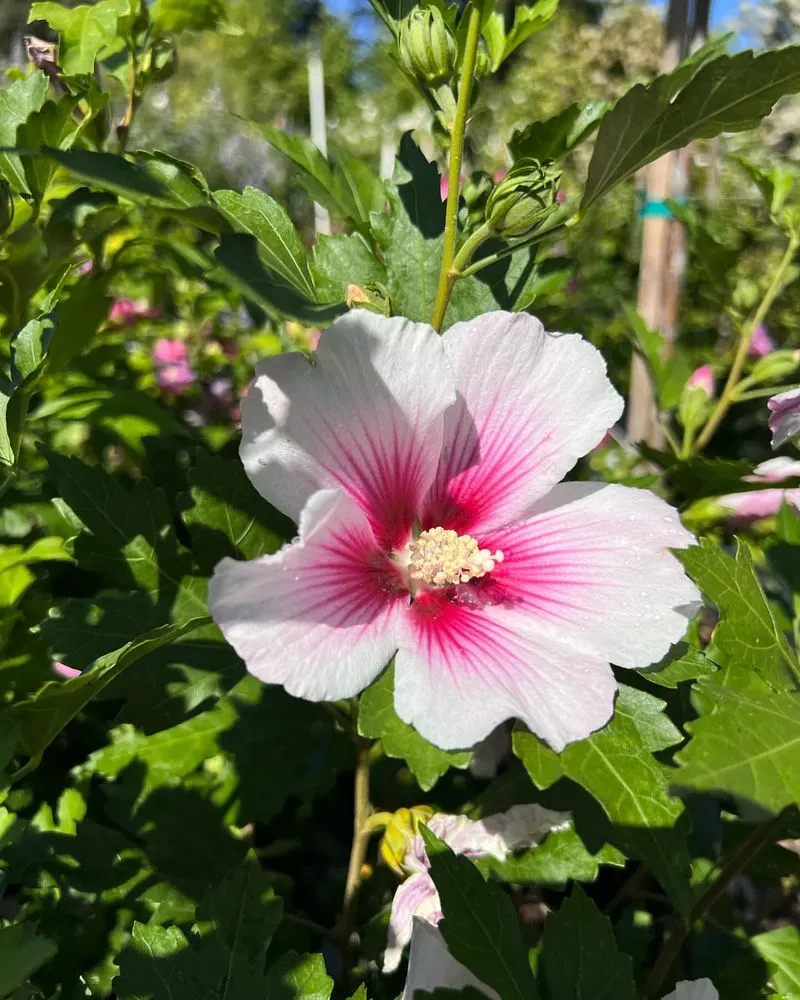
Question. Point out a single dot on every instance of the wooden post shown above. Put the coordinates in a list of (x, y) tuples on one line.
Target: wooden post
[(654, 264), (316, 105)]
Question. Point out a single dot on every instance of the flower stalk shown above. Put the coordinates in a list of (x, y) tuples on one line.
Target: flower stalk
[(728, 394), (358, 847), (446, 278)]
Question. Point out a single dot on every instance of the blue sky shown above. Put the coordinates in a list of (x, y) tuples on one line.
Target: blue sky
[(722, 11)]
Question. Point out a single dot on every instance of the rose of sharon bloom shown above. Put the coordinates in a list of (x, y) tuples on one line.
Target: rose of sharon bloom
[(702, 378), (126, 312), (432, 967), (761, 344), (759, 504), (424, 474), (498, 836), (176, 378), (784, 418)]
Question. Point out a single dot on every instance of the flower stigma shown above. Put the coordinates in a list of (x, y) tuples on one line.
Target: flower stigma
[(440, 557)]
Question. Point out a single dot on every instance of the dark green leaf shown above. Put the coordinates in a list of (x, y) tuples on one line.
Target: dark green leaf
[(298, 976), (579, 958), (748, 638), (528, 19), (556, 136), (229, 518), (616, 765), (480, 923), (282, 251), (77, 320), (681, 664), (378, 720), (114, 173), (345, 260), (18, 102), (22, 952), (239, 257), (729, 94), (42, 717)]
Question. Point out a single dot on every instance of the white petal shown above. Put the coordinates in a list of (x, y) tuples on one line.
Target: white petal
[(416, 897), (462, 669), (500, 834), (431, 966), (698, 989), (594, 563), (367, 417), (318, 616), (530, 405)]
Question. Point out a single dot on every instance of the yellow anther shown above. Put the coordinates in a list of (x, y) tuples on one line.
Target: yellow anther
[(441, 557)]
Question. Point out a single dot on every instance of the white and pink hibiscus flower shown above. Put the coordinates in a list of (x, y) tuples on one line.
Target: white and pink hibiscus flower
[(494, 836), (423, 472), (784, 417)]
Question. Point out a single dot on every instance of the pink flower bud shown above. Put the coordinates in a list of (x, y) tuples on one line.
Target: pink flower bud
[(64, 671), (702, 378), (126, 312), (761, 343), (175, 379)]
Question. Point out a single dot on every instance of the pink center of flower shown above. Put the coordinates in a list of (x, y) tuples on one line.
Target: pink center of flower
[(441, 557)]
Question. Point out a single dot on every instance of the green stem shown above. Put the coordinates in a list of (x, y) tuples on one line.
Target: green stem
[(493, 258), (446, 280), (124, 127), (758, 839), (743, 397), (728, 395), (358, 848)]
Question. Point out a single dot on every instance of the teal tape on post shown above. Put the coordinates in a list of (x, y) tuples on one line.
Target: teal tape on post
[(655, 209)]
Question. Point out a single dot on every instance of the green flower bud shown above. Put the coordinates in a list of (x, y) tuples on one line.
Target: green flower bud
[(524, 198), (160, 60), (775, 367), (427, 47)]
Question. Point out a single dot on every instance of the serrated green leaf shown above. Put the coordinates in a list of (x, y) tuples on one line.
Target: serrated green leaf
[(235, 923), (527, 21), (748, 638), (22, 952), (560, 858), (616, 765), (282, 250), (84, 30), (729, 94), (579, 957), (18, 102), (746, 747), (42, 717), (344, 260), (555, 136), (229, 518), (681, 664), (241, 262), (298, 976), (780, 949), (378, 720), (114, 173), (480, 923)]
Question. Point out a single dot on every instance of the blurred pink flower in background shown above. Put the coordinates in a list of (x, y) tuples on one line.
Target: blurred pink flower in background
[(759, 504), (444, 186), (176, 378), (784, 419), (64, 671), (126, 312), (761, 343), (702, 378), (167, 351)]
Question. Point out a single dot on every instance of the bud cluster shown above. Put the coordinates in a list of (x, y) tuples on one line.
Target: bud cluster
[(524, 199)]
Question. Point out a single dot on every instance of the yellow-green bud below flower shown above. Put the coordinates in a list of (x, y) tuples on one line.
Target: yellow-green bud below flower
[(524, 198), (427, 47)]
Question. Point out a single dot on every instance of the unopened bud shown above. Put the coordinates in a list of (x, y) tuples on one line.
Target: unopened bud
[(371, 296), (694, 405), (524, 198), (427, 47)]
